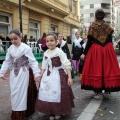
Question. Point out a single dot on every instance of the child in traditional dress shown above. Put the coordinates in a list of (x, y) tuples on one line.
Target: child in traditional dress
[(55, 96), (63, 45), (77, 50), (22, 85)]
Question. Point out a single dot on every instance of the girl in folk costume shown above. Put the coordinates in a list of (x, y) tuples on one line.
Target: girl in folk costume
[(77, 50), (55, 95), (63, 45), (22, 85), (101, 70)]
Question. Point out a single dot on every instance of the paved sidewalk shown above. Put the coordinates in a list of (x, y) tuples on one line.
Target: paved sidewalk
[(110, 108), (82, 99), (5, 108)]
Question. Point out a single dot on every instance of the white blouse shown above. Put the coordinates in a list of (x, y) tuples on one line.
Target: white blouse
[(63, 58), (14, 53)]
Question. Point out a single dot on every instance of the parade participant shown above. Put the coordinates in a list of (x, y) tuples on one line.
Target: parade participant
[(21, 61), (63, 45), (77, 50), (55, 97), (101, 70), (82, 61)]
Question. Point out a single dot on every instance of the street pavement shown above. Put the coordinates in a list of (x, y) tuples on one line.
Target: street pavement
[(109, 109), (82, 99)]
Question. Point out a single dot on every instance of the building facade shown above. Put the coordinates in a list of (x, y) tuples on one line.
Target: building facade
[(39, 16), (116, 18), (88, 8)]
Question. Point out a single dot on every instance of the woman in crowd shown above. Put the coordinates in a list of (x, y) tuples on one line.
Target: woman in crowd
[(101, 70), (77, 50)]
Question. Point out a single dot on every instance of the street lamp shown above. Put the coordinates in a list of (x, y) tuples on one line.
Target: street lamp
[(20, 15)]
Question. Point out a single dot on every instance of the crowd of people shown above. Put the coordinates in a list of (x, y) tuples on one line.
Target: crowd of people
[(93, 57), (4, 42)]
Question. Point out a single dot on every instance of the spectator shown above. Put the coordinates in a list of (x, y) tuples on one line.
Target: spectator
[(69, 39), (31, 39), (43, 42), (1, 46), (8, 41), (2, 37), (24, 39)]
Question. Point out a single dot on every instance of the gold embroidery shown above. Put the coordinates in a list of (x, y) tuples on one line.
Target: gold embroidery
[(100, 30)]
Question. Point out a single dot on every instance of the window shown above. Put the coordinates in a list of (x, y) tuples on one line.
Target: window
[(91, 5), (34, 28), (82, 7), (5, 23), (105, 6), (74, 5), (53, 28), (91, 14), (70, 5)]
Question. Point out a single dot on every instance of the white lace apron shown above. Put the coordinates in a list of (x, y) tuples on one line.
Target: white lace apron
[(50, 86)]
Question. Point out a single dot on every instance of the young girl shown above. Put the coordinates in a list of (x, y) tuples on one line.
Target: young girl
[(22, 85), (55, 95), (77, 50)]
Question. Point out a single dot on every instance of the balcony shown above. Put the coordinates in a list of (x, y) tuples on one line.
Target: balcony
[(58, 6)]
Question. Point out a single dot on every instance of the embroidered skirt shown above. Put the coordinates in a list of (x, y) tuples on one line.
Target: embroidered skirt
[(101, 70), (66, 104), (31, 99)]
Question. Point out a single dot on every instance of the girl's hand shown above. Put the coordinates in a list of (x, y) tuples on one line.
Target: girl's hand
[(70, 81), (69, 60), (38, 79), (82, 56), (4, 77)]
